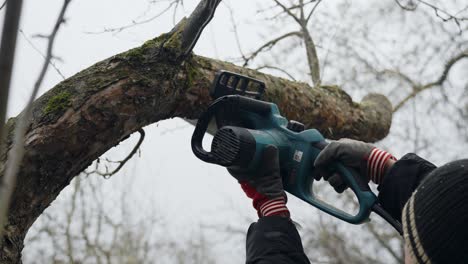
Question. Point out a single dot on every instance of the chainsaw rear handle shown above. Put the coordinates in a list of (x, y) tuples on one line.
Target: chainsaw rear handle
[(361, 189), (233, 103), (356, 177)]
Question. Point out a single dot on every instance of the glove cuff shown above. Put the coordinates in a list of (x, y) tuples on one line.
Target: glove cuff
[(376, 164), (264, 205), (273, 207)]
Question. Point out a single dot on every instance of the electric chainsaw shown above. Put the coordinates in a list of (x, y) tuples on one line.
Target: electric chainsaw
[(246, 125)]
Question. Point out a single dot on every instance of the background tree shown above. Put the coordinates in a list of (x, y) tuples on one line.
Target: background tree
[(194, 74)]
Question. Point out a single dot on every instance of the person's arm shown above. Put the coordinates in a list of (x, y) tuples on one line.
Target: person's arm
[(273, 238), (400, 180)]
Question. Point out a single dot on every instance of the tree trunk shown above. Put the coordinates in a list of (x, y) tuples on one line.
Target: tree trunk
[(84, 116)]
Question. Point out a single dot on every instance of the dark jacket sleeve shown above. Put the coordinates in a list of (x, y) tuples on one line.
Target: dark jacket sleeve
[(274, 239), (400, 182)]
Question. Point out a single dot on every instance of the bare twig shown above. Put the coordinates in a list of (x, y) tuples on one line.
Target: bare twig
[(398, 74), (287, 11), (277, 69), (410, 7), (301, 20), (312, 11), (108, 174), (3, 5), (15, 155), (234, 28), (439, 12), (443, 77), (135, 23), (269, 45), (69, 218), (7, 52), (42, 55)]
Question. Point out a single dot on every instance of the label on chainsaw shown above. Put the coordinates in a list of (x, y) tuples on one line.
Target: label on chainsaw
[(298, 155)]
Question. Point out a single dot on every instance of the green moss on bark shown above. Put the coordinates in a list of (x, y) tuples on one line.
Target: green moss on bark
[(59, 102)]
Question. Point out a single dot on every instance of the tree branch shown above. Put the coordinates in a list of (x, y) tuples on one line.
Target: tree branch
[(437, 11), (42, 55), (287, 11), (134, 23), (312, 58), (269, 45), (312, 11), (195, 24), (7, 53), (311, 52), (398, 74), (443, 77), (108, 174), (277, 69), (15, 154)]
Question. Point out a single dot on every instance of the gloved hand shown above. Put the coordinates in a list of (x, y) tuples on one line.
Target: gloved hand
[(266, 187), (368, 160)]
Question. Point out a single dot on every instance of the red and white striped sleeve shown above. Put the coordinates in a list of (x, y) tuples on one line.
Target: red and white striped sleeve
[(275, 206), (376, 164)]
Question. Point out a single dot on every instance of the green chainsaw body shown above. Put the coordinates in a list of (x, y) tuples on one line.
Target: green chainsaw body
[(247, 125)]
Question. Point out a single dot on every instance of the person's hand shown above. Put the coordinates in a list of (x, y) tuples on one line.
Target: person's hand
[(265, 188), (368, 160)]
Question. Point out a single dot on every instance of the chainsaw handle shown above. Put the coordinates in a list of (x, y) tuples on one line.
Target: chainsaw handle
[(232, 103), (361, 189), (368, 202)]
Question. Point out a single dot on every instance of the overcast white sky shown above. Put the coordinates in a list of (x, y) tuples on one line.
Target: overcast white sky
[(166, 176)]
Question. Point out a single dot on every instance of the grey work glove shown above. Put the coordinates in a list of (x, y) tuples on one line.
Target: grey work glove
[(265, 187), (267, 181), (351, 153)]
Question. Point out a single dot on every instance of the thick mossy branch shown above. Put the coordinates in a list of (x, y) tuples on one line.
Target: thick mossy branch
[(326, 108), (84, 116)]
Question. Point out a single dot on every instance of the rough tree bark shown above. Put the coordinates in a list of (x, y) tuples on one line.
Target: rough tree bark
[(84, 116)]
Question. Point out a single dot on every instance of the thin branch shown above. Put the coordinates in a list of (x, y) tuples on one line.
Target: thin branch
[(275, 68), (234, 28), (108, 174), (7, 52), (312, 11), (3, 5), (439, 12), (269, 45), (287, 11), (195, 25), (15, 155), (443, 77), (408, 7), (134, 23), (398, 74), (42, 55), (69, 218)]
